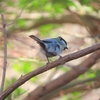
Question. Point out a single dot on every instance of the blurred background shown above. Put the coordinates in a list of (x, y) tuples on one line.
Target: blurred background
[(77, 21)]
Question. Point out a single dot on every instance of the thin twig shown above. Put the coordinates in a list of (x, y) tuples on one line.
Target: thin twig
[(5, 52), (18, 39), (18, 15)]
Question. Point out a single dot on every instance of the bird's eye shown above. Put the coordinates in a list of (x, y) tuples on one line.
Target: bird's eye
[(60, 37)]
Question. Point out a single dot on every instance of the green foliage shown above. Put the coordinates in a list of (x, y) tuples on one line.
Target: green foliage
[(40, 63), (65, 97), (9, 3), (72, 96), (88, 74), (76, 93), (84, 2), (65, 3), (97, 72), (35, 4), (63, 68), (53, 8), (46, 30), (23, 67), (21, 23), (50, 6)]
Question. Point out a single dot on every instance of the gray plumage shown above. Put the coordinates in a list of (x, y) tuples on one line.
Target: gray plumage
[(51, 47)]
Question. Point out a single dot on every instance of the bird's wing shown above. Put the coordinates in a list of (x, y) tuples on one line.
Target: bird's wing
[(38, 41), (50, 45)]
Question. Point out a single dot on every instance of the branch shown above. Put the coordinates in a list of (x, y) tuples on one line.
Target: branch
[(85, 20), (5, 52), (18, 15), (41, 91), (49, 66), (69, 87), (81, 88)]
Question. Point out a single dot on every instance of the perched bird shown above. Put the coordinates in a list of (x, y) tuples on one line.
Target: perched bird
[(51, 47)]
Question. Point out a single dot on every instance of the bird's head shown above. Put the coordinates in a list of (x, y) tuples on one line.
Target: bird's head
[(63, 42)]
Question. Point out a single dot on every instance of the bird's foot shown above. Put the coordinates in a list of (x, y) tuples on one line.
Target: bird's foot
[(47, 63), (60, 57)]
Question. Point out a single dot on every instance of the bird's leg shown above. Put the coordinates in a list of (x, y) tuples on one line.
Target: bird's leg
[(60, 56), (47, 60), (60, 60)]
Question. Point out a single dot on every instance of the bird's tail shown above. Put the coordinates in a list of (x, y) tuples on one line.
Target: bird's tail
[(37, 40)]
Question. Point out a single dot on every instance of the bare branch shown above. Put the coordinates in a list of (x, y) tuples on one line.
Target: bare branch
[(53, 64), (81, 88), (70, 86), (67, 77), (17, 17), (86, 20), (15, 20), (5, 51)]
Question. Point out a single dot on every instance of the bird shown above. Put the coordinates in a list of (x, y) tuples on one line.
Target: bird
[(51, 47)]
